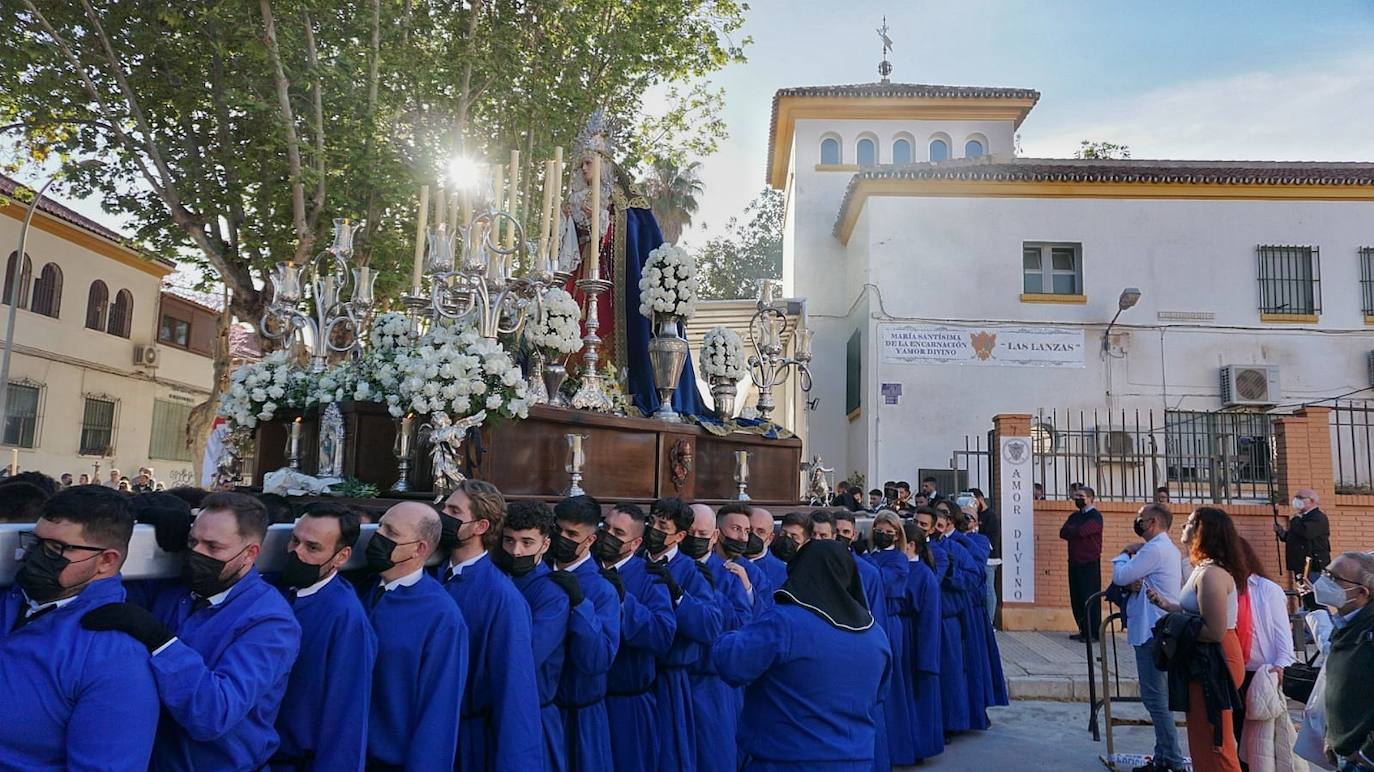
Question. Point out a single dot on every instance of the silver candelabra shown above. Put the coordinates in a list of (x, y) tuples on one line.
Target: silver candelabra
[(768, 367)]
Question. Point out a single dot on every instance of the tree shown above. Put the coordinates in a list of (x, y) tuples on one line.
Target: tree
[(673, 192), (1103, 150), (731, 266)]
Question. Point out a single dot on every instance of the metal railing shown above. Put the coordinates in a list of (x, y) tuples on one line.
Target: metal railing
[(1220, 456), (1352, 440)]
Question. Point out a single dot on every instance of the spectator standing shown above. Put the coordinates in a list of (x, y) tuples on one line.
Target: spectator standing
[(1155, 565), (66, 479), (1162, 495), (115, 477), (989, 524), (1308, 535), (1083, 531), (1347, 587), (1264, 735)]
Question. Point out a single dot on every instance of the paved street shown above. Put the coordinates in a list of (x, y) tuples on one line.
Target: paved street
[(1049, 666)]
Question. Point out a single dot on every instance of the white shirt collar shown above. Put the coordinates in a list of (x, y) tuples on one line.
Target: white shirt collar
[(405, 581), (457, 568), (35, 606), (623, 561), (306, 592), (668, 556), (573, 566), (219, 597)]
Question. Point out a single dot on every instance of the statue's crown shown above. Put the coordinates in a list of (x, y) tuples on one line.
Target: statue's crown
[(598, 136)]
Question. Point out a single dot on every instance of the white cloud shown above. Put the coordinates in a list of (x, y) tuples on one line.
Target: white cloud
[(1321, 112)]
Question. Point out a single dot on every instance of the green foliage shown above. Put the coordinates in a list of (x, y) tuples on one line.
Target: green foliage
[(353, 488), (673, 191), (1090, 149), (731, 266), (234, 153)]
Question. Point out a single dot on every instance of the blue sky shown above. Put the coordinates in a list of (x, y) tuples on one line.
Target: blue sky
[(1222, 79)]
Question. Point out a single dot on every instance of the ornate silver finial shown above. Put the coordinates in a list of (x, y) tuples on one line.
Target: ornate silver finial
[(885, 67), (599, 136)]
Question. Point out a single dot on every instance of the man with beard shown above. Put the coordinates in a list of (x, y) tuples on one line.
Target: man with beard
[(591, 648), (761, 528), (647, 626), (699, 622), (74, 699), (500, 726), (222, 643), (422, 646), (323, 718)]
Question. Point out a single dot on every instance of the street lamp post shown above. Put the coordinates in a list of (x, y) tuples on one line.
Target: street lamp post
[(13, 299)]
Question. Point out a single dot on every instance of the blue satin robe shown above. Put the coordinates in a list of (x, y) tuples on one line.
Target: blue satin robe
[(899, 706), (700, 619), (222, 680), (922, 625), (324, 713), (954, 697), (872, 582), (592, 645), (800, 711), (647, 626), (978, 671), (760, 582), (500, 728), (549, 641), (773, 567), (73, 698), (980, 548), (420, 675), (711, 697)]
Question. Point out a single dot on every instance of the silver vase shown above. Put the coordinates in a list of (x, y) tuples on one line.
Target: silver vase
[(723, 392), (535, 390), (554, 376), (667, 356)]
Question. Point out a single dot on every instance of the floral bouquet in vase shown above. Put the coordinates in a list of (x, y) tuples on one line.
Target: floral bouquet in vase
[(378, 375), (668, 296), (724, 365), (553, 336), (258, 390)]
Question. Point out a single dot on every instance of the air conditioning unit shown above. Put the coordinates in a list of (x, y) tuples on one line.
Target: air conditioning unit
[(1244, 385), (146, 355), (1116, 445)]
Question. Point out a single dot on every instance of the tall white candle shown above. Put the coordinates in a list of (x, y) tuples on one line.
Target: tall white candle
[(452, 219), (420, 228), (593, 271), (440, 207), (512, 201), (556, 216), (542, 247)]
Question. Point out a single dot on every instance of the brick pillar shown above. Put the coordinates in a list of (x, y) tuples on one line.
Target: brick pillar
[(1303, 454)]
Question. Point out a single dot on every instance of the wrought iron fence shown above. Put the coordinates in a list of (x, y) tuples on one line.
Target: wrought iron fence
[(1220, 456), (1352, 439)]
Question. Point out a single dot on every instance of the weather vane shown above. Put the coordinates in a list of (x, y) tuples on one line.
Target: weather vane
[(885, 67)]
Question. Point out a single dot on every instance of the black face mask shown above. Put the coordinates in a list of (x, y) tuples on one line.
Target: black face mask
[(882, 540), (1139, 527), (755, 546), (299, 573), (1082, 504), (784, 549), (847, 541), (563, 550), (379, 553), (608, 547), (38, 574), (512, 565), (696, 547), (655, 540), (202, 574), (448, 535), (734, 547)]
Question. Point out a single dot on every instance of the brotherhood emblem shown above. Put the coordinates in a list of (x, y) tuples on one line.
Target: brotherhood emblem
[(983, 344), (1016, 451)]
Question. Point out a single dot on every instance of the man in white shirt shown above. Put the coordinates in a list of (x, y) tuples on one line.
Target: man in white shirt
[(1156, 565)]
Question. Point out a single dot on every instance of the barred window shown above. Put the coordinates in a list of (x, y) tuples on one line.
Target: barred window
[(169, 431), (1290, 280), (1367, 279), (21, 416), (97, 427)]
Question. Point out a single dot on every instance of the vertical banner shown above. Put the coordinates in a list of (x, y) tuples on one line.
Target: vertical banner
[(1018, 526)]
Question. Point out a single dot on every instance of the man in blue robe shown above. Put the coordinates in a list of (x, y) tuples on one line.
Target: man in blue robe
[(591, 649), (500, 727), (800, 711), (422, 646), (647, 626), (524, 541), (73, 698), (715, 739), (699, 622), (972, 615), (922, 627), (736, 540), (222, 641), (954, 694), (761, 526), (323, 718)]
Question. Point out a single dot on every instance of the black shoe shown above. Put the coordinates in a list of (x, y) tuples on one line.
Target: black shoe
[(1076, 637), (1148, 766)]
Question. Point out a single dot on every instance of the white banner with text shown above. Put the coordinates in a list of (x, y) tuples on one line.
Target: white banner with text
[(923, 344), (1018, 521)]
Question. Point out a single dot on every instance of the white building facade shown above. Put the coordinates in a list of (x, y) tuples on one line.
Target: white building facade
[(944, 292)]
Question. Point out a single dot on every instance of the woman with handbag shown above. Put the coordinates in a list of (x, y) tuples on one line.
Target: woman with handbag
[(1264, 733)]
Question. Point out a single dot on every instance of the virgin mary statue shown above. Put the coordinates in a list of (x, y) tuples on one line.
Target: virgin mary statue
[(628, 233)]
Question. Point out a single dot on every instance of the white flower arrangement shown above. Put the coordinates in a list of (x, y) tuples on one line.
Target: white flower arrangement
[(257, 391), (669, 283), (390, 331), (558, 331), (334, 384), (454, 370), (722, 354)]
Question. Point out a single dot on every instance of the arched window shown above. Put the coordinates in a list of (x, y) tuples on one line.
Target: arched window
[(47, 291), (97, 305), (974, 149), (939, 150), (867, 152), (901, 151), (121, 314), (25, 279), (830, 151)]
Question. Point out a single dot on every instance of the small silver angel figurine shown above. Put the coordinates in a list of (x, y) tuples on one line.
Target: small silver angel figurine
[(445, 437), (818, 485)]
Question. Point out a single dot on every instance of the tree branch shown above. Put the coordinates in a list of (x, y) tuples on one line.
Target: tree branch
[(318, 88), (304, 236)]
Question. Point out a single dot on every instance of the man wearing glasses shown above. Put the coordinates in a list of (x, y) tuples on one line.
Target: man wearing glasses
[(1346, 587), (74, 698)]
